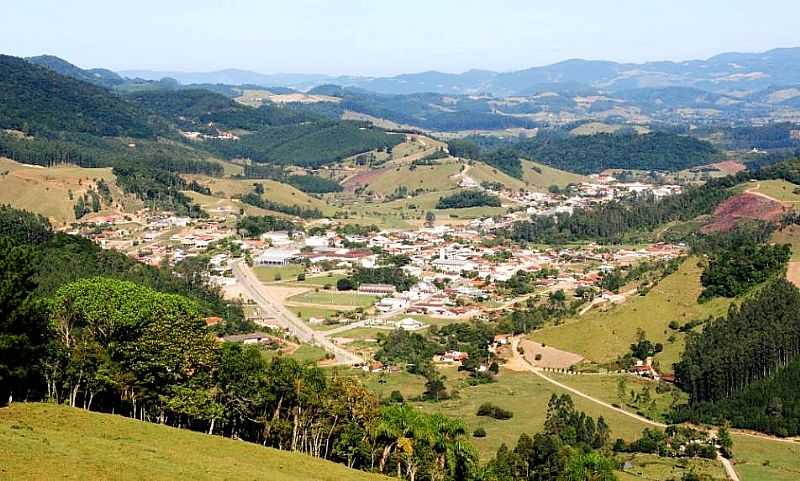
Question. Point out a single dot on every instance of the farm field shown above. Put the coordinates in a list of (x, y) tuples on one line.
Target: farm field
[(602, 336), (44, 441)]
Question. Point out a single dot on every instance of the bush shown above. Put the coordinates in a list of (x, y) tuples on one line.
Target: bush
[(301, 277), (344, 284), (479, 433), (496, 412), (396, 397)]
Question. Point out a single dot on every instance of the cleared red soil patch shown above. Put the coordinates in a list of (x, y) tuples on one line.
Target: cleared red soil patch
[(549, 357), (729, 166), (793, 273), (363, 178), (743, 207)]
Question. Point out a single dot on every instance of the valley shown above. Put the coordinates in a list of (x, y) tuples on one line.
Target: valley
[(501, 276)]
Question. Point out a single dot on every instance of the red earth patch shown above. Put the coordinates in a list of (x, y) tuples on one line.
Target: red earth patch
[(742, 207), (729, 166)]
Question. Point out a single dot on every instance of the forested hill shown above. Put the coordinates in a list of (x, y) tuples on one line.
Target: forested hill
[(97, 76), (195, 107), (38, 101), (587, 154)]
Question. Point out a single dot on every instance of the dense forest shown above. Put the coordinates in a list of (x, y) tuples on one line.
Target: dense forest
[(612, 221), (733, 369), (37, 101), (587, 154), (309, 144), (468, 198)]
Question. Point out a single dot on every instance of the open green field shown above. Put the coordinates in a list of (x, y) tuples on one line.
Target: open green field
[(604, 387), (305, 312), (602, 336), (764, 460), (383, 384), (333, 299), (320, 280), (46, 191), (778, 189), (482, 172), (428, 177), (652, 467), (273, 191), (44, 442), (542, 176), (278, 273), (526, 395)]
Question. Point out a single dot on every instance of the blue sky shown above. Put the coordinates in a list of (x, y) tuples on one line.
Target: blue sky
[(361, 37)]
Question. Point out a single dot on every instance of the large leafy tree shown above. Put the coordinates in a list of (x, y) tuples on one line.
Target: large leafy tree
[(21, 326)]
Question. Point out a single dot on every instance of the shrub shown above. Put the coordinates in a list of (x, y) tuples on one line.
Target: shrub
[(493, 411), (396, 397), (301, 277), (479, 433)]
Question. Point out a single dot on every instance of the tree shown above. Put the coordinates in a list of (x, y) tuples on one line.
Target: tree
[(725, 440), (430, 218), (589, 467), (21, 326)]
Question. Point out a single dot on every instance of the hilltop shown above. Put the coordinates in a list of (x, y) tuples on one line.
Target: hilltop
[(45, 441)]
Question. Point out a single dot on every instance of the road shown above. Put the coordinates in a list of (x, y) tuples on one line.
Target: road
[(285, 318), (729, 471)]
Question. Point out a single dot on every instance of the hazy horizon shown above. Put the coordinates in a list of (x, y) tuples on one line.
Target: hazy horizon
[(362, 38)]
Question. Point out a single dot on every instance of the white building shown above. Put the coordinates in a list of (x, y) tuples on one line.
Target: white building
[(275, 257)]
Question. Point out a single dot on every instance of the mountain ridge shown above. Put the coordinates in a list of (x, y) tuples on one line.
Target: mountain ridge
[(719, 73)]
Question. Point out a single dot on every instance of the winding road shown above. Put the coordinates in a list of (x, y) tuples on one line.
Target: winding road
[(726, 463), (287, 319)]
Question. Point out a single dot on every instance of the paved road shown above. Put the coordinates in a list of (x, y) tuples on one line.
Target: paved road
[(287, 319)]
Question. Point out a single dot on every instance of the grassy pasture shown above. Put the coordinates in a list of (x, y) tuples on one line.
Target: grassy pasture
[(43, 441)]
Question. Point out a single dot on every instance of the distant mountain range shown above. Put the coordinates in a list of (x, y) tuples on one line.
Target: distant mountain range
[(724, 73)]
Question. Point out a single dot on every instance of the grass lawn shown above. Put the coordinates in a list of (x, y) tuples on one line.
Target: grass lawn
[(321, 280), (605, 388), (306, 353), (526, 395), (409, 385), (602, 336), (429, 178), (763, 460), (652, 467), (278, 273), (44, 441), (334, 299), (304, 312)]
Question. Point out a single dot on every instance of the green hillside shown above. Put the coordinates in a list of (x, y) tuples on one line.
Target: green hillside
[(43, 441), (35, 99)]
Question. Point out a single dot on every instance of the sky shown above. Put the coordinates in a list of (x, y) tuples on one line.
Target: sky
[(381, 37)]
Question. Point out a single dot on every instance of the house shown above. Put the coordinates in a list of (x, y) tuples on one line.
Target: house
[(378, 289), (454, 356)]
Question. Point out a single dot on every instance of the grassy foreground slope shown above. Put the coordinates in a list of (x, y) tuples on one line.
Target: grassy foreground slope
[(42, 441), (601, 336)]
